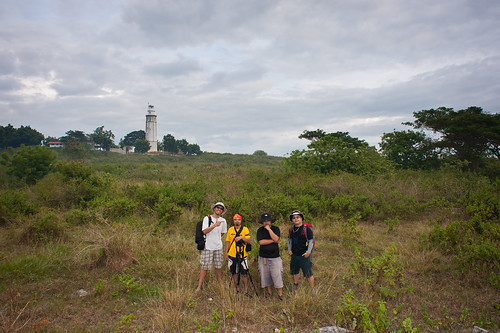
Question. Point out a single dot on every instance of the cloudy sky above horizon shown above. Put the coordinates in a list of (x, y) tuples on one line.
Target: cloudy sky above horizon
[(235, 76)]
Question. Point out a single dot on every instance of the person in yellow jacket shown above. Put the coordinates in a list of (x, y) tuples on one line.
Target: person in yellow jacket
[(236, 255)]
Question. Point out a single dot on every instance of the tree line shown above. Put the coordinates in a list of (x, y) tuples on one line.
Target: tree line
[(469, 137), (137, 139), (79, 141)]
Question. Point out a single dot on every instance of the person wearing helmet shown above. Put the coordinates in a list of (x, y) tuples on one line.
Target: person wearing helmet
[(300, 245), (214, 228), (270, 263)]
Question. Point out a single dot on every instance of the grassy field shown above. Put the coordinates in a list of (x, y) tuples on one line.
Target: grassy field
[(107, 245)]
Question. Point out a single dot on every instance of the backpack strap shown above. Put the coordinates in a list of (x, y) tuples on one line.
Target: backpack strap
[(237, 234)]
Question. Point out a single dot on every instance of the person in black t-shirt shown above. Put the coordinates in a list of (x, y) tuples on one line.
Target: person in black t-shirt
[(300, 245), (270, 264)]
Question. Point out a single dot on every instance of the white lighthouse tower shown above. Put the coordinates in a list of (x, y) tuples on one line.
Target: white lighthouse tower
[(151, 134)]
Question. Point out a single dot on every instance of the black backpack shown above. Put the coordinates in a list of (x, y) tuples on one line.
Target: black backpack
[(200, 236)]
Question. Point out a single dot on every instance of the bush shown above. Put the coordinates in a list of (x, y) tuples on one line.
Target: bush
[(382, 276), (168, 212), (29, 163), (43, 227), (473, 242), (73, 170), (350, 205), (78, 217), (14, 204)]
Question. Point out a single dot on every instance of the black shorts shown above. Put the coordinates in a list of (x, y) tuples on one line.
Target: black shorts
[(299, 262), (233, 265)]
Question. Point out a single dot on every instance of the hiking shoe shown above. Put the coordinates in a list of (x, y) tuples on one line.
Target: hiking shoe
[(248, 295), (281, 298), (267, 295), (313, 292), (293, 288)]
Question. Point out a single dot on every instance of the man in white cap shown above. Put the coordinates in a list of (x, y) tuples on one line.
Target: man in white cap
[(213, 228)]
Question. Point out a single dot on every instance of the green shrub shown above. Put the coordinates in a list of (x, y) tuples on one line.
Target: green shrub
[(79, 217), (475, 248), (146, 195), (14, 204), (382, 276), (96, 185), (43, 227), (349, 205), (354, 315), (119, 207), (52, 191), (168, 212), (73, 170), (29, 163)]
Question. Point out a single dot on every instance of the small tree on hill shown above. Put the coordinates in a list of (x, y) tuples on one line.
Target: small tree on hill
[(259, 153), (103, 138), (410, 150), (193, 149), (130, 139), (142, 146), (170, 144), (182, 145)]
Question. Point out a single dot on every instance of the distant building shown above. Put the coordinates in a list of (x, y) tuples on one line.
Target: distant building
[(123, 150), (151, 133), (55, 144)]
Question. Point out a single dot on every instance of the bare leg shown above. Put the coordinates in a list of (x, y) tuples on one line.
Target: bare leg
[(235, 279), (311, 281), (218, 271), (245, 283), (203, 274)]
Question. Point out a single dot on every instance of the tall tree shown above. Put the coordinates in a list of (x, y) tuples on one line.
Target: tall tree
[(470, 134), (170, 144), (103, 138), (410, 150), (334, 152), (182, 145), (132, 137)]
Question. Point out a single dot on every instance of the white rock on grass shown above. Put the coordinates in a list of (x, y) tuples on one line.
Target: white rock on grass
[(82, 293)]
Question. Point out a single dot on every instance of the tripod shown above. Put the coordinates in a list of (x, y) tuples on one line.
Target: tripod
[(241, 262)]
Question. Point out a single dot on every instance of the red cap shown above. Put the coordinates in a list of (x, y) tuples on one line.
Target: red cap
[(237, 216)]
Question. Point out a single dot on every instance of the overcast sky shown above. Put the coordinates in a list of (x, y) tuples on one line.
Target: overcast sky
[(235, 76)]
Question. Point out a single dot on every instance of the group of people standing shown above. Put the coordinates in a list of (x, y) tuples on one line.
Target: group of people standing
[(238, 241)]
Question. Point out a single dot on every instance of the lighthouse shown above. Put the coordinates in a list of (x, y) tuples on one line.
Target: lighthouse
[(151, 134)]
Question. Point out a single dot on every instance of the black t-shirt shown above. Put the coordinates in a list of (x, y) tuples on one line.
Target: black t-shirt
[(271, 250), (299, 240)]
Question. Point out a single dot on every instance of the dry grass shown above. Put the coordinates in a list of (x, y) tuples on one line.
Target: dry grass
[(166, 264)]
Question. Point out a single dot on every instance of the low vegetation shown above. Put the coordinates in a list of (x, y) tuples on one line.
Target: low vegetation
[(106, 244)]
